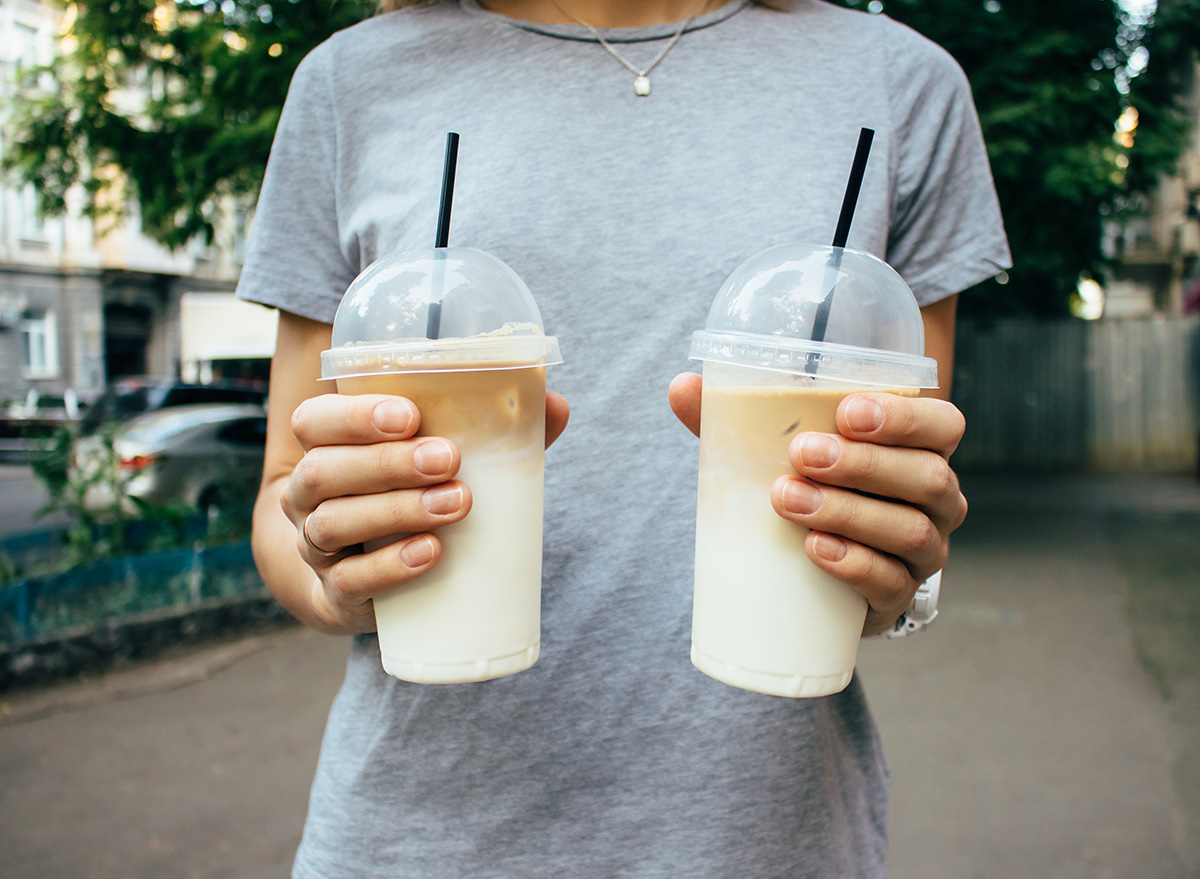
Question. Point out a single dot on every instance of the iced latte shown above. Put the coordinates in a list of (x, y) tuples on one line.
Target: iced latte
[(458, 333), (487, 587), (765, 618), (792, 332)]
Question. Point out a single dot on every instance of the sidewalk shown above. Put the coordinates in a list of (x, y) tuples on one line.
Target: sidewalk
[(190, 767), (1048, 725)]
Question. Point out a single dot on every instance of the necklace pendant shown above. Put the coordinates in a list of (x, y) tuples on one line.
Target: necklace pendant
[(641, 85)]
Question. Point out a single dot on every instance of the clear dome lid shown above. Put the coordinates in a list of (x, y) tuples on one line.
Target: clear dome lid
[(443, 309), (826, 311)]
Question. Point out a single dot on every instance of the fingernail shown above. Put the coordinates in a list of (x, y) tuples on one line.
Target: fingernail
[(801, 498), (417, 552), (818, 450), (442, 499), (863, 415), (433, 457), (828, 547), (392, 416)]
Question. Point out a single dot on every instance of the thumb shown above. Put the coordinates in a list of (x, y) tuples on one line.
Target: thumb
[(557, 415), (684, 397)]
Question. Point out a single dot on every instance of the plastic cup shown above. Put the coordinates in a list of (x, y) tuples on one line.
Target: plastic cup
[(765, 618), (477, 614)]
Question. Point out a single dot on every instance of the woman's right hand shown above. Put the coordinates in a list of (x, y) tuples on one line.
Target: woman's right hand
[(365, 476)]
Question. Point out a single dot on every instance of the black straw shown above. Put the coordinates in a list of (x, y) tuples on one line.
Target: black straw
[(840, 235), (853, 185), (443, 227), (433, 322)]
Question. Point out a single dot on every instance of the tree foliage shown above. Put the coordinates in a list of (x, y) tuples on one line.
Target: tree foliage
[(180, 98), (1050, 80)]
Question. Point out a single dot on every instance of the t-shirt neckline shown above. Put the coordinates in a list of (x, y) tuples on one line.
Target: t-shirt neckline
[(613, 35)]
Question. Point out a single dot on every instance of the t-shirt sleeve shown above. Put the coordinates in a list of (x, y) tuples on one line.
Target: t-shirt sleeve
[(294, 260), (946, 233)]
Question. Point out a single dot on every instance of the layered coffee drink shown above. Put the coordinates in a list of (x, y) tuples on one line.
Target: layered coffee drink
[(792, 332), (458, 333), (764, 614), (476, 614)]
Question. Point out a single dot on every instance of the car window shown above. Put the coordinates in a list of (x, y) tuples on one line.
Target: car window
[(124, 400), (245, 432), (131, 402), (185, 395), (156, 396), (113, 405), (182, 396), (237, 395)]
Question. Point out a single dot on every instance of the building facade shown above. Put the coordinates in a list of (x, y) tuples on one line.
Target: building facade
[(1156, 256), (82, 304)]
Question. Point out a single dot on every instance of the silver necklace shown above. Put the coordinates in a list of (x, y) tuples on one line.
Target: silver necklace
[(641, 76)]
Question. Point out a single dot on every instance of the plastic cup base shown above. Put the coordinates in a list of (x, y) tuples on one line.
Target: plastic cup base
[(794, 686), (460, 672)]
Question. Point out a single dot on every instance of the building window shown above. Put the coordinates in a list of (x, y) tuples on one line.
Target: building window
[(39, 343), (241, 226), (27, 47), (31, 222)]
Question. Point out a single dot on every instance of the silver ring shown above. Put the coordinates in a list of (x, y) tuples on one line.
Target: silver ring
[(313, 546)]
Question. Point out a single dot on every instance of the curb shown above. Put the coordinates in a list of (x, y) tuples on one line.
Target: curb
[(133, 637), (130, 682)]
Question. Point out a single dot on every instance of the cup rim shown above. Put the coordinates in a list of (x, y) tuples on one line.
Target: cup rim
[(820, 360), (475, 354)]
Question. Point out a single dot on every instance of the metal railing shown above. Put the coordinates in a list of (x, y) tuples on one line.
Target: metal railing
[(42, 608)]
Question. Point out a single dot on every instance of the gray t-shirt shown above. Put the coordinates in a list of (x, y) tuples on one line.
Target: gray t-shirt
[(613, 756)]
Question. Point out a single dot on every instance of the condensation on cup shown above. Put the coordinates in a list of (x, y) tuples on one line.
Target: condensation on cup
[(456, 331), (792, 332)]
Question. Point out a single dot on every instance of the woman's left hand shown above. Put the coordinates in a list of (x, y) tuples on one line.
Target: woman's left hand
[(880, 498)]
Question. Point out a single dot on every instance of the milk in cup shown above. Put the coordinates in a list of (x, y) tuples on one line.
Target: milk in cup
[(479, 381), (790, 334)]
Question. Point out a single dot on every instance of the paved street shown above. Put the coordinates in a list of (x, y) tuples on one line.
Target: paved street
[(1048, 725), (21, 496)]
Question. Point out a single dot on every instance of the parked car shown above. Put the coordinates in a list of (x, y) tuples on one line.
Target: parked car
[(206, 457), (128, 397), (35, 415)]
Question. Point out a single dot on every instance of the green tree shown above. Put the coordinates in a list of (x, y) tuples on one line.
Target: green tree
[(1044, 77), (214, 76)]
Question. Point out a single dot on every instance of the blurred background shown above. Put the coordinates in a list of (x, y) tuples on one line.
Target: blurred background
[(159, 716)]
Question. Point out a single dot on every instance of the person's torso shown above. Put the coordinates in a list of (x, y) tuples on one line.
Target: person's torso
[(612, 756)]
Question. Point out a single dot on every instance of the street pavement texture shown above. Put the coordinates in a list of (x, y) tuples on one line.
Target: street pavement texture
[(1047, 726), (22, 497)]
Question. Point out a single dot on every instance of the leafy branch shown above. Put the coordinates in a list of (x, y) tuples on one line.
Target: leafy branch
[(168, 105)]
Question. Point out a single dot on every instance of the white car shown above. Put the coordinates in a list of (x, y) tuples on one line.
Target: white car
[(205, 457)]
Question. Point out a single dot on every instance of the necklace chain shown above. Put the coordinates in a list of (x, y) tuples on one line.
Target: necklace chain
[(641, 81)]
